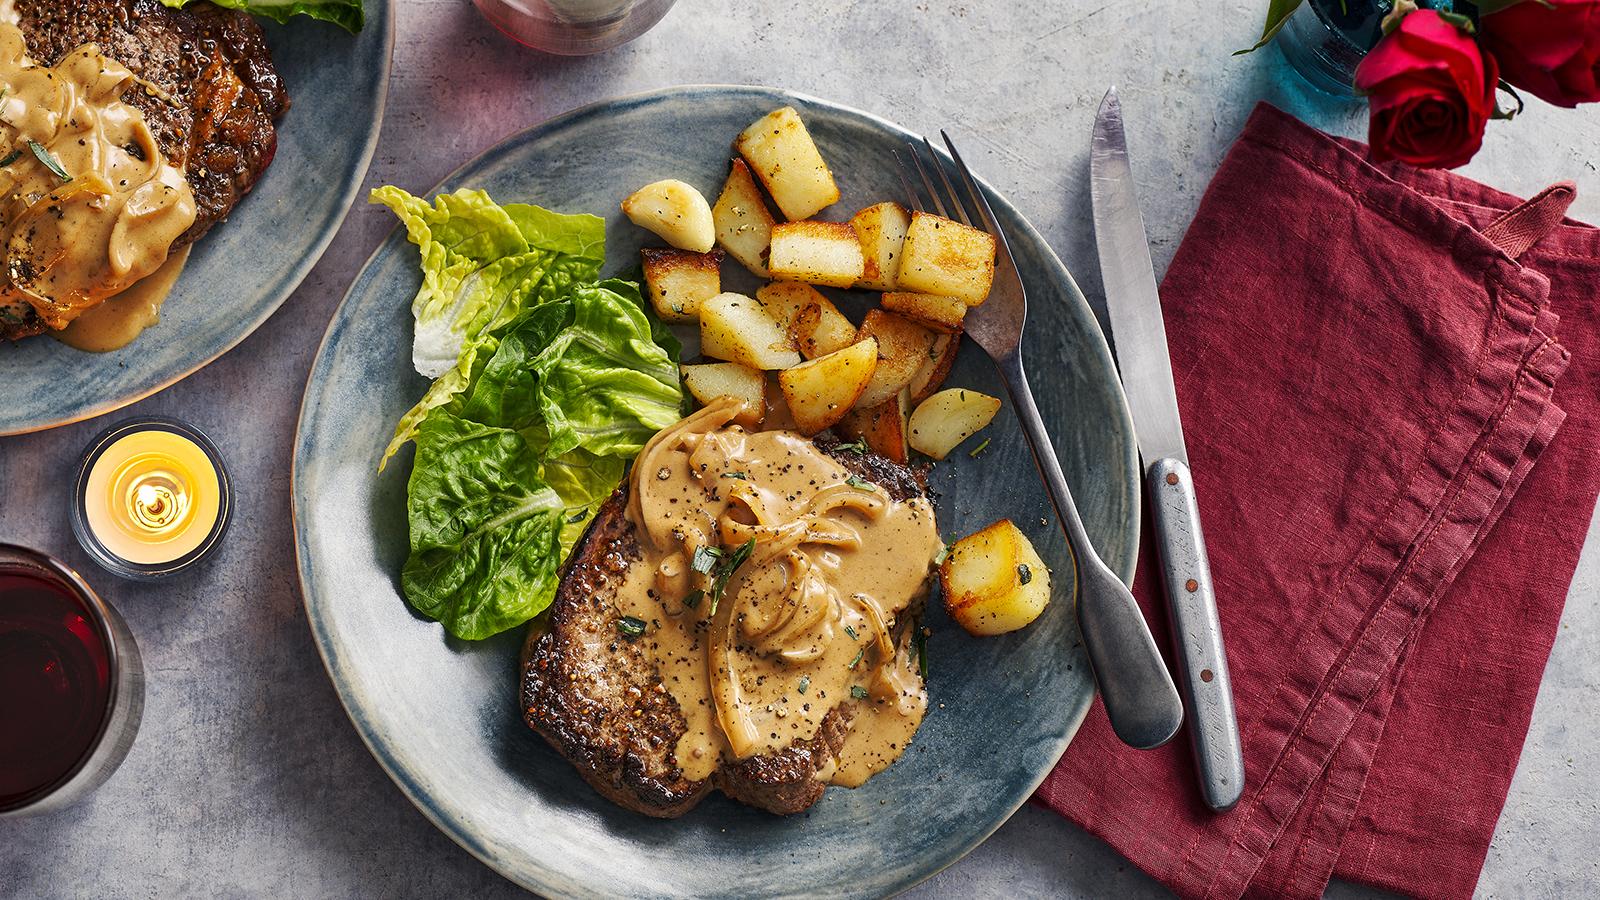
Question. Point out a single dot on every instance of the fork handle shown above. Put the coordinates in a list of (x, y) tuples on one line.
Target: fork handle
[(1140, 698)]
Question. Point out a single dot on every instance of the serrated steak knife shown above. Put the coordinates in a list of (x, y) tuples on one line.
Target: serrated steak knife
[(1140, 339)]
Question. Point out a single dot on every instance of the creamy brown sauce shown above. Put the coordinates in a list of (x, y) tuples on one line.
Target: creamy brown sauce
[(115, 323), (817, 617), (108, 217)]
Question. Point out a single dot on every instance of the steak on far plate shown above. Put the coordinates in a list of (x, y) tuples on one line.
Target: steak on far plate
[(211, 98)]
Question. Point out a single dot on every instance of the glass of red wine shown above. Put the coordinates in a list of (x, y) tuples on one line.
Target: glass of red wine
[(573, 27), (71, 685)]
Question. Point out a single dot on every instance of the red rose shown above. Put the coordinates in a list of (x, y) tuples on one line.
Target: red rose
[(1549, 48), (1430, 92)]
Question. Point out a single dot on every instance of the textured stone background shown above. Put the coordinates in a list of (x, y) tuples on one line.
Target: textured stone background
[(249, 781)]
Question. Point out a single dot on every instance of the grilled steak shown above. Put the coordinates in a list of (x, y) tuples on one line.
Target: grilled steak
[(210, 92), (600, 701)]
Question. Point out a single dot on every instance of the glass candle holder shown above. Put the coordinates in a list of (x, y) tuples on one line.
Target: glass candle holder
[(71, 685), (153, 498)]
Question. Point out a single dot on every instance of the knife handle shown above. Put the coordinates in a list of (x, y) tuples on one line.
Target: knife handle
[(1197, 633)]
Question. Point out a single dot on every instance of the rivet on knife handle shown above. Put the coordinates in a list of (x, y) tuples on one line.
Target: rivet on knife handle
[(1197, 633)]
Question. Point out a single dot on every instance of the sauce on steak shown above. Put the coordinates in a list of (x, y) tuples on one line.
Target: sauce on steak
[(739, 616), (204, 85)]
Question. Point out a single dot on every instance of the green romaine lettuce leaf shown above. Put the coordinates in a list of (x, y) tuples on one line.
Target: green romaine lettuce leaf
[(603, 385), (482, 265), (581, 380), (556, 384), (347, 13), (485, 531)]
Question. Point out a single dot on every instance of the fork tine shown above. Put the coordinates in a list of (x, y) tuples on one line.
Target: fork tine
[(958, 208), (916, 160), (974, 193), (912, 199)]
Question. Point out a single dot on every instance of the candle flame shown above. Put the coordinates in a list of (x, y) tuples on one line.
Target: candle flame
[(157, 501)]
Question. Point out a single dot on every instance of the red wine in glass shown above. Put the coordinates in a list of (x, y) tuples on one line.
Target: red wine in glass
[(70, 685)]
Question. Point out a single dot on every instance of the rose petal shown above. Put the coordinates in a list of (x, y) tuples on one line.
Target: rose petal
[(1549, 48)]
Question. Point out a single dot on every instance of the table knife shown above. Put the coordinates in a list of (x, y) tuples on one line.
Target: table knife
[(1139, 337)]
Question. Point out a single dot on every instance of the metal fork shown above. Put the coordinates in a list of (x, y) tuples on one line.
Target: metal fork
[(1138, 692)]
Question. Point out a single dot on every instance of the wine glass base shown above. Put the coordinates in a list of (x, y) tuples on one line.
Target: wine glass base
[(573, 27)]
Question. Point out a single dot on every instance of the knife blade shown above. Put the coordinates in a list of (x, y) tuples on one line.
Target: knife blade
[(1138, 334)]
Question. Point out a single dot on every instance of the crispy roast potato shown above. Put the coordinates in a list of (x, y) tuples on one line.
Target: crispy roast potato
[(820, 329), (680, 280), (994, 581), (676, 212), (931, 374), (882, 428), (903, 347), (881, 230), (784, 300), (819, 392), (816, 253), (708, 381), (744, 227), (946, 258), (780, 150), (736, 328), (942, 314), (815, 324), (941, 422)]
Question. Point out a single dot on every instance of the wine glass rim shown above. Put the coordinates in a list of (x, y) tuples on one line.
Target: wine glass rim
[(16, 558)]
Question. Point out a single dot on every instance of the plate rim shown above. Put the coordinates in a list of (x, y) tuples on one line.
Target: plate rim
[(424, 801), (288, 282)]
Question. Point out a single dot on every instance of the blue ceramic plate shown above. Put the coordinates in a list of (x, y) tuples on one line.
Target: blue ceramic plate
[(244, 269), (441, 716)]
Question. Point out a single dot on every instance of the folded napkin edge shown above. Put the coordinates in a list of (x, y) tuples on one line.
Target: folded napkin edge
[(1411, 192)]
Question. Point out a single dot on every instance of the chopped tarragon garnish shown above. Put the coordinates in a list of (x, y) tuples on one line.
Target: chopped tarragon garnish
[(49, 161)]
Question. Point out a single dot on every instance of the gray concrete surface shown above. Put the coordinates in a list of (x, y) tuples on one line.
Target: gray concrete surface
[(248, 780)]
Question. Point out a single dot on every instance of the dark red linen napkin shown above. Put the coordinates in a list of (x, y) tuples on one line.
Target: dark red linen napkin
[(1396, 466)]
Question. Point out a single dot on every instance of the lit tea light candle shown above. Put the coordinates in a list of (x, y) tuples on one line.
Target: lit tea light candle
[(153, 498)]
